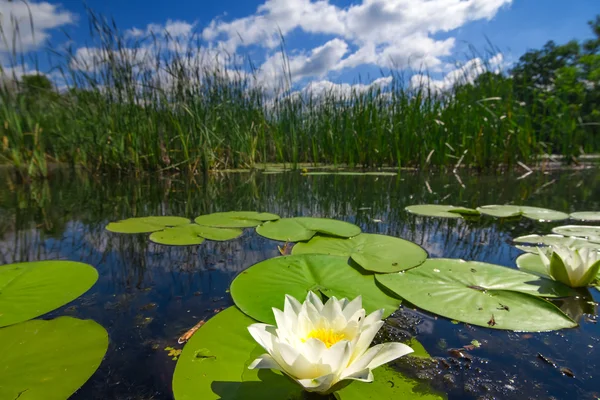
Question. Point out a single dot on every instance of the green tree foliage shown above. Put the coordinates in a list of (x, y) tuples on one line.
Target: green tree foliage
[(561, 81)]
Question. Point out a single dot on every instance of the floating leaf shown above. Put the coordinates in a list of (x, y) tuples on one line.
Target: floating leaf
[(481, 294), (590, 232), (263, 286), (443, 211), (533, 264), (193, 234), (49, 360), (552, 240), (586, 215), (214, 364), (535, 213), (304, 228), (235, 219), (145, 224), (388, 384), (378, 253), (28, 290)]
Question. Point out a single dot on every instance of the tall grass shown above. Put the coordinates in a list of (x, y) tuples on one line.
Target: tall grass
[(156, 104)]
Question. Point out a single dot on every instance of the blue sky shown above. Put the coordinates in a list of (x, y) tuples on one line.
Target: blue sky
[(328, 41)]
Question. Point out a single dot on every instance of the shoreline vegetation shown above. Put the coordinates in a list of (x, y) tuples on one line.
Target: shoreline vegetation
[(156, 103)]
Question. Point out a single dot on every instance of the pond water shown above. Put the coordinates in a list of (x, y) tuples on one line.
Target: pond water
[(148, 295)]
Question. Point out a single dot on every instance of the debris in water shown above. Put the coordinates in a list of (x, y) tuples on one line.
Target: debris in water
[(567, 372), (546, 359), (190, 333)]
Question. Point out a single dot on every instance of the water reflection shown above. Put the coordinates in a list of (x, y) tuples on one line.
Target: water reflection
[(149, 294)]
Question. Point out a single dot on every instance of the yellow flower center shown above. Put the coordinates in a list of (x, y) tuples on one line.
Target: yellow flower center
[(328, 336)]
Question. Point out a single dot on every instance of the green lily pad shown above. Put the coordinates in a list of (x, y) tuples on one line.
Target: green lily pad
[(474, 292), (377, 253), (388, 384), (193, 234), (264, 285), (304, 228), (586, 216), (533, 264), (443, 211), (145, 224), (214, 364), (49, 360), (535, 213), (590, 232), (28, 290), (235, 219), (552, 240)]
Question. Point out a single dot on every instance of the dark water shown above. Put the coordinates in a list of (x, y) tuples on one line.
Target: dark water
[(148, 295)]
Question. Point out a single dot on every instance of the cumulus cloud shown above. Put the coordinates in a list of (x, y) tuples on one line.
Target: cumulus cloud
[(466, 73), (343, 90), (315, 64), (385, 33), (28, 25)]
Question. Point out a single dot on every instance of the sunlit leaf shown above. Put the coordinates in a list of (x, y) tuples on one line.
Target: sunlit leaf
[(378, 253), (49, 360), (28, 290), (481, 294)]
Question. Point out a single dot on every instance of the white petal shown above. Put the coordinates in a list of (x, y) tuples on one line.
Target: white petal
[(292, 304), (285, 352), (265, 362), (378, 355), (283, 324), (544, 257), (313, 349), (320, 384), (332, 309), (364, 340), (264, 335), (314, 300), (364, 375), (351, 308), (337, 356), (373, 317)]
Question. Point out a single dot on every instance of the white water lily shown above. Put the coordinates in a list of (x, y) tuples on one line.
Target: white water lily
[(571, 266), (319, 345)]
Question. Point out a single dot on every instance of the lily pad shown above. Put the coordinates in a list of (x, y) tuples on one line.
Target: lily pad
[(551, 240), (304, 228), (586, 216), (28, 290), (235, 219), (443, 211), (214, 364), (264, 285), (482, 294), (145, 224), (49, 360), (535, 213), (377, 253), (193, 234), (388, 384), (532, 263), (590, 232)]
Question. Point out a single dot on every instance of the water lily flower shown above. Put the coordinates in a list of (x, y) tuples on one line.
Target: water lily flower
[(571, 266), (319, 345)]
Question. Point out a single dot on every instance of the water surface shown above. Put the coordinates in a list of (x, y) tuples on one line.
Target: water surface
[(148, 295)]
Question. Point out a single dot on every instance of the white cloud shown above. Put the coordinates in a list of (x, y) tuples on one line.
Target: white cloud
[(385, 33), (174, 29), (316, 64), (466, 73), (344, 90), (41, 16)]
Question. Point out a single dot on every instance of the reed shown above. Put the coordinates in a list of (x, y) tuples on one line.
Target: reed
[(177, 107)]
